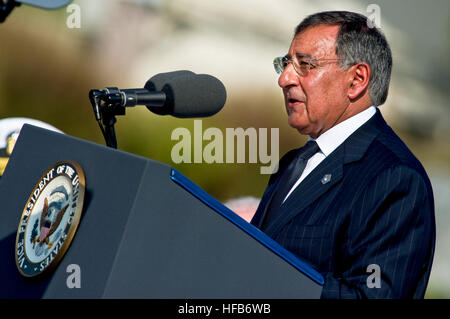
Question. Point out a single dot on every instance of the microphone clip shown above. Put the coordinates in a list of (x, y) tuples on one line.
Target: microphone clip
[(106, 105)]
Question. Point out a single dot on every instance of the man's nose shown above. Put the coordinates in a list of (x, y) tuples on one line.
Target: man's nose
[(288, 77)]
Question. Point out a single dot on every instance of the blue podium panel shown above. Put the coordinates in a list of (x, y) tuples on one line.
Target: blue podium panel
[(146, 232)]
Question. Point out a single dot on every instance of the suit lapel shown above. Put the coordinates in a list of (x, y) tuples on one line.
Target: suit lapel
[(311, 188), (264, 204), (266, 199), (316, 183)]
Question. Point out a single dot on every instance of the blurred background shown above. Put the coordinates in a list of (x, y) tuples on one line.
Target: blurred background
[(48, 66)]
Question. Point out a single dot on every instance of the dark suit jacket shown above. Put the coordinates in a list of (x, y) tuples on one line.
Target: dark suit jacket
[(377, 209)]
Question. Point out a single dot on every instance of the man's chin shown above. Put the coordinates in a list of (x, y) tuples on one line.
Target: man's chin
[(300, 127)]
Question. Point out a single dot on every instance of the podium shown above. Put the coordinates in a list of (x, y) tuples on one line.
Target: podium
[(146, 231)]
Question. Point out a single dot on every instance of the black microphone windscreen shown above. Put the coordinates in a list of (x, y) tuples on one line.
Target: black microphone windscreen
[(157, 82), (192, 95)]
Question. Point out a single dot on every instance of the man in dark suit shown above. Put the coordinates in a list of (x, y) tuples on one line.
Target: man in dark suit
[(354, 202)]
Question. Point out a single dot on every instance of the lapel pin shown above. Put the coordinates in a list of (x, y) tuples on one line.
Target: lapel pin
[(326, 178)]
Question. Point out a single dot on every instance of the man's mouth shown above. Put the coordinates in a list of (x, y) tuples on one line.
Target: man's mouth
[(292, 102)]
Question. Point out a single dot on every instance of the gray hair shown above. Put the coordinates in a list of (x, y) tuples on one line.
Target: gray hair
[(357, 42)]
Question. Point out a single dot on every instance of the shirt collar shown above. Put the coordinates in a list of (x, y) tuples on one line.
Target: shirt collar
[(335, 136)]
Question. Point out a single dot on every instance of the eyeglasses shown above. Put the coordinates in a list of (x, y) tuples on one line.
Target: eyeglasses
[(302, 66)]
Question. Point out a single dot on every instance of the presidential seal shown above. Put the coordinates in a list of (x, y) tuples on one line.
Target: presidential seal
[(50, 218)]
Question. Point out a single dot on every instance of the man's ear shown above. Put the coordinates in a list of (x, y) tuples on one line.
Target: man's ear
[(359, 80)]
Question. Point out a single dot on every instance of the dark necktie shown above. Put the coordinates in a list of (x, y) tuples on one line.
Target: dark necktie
[(289, 177)]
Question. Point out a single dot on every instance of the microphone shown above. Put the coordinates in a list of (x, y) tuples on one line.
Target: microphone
[(158, 81), (147, 96), (133, 97), (188, 95), (182, 94)]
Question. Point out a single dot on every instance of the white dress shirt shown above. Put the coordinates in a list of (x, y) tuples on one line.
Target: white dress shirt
[(331, 139)]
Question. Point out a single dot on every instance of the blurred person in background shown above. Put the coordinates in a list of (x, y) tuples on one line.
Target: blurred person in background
[(9, 133), (354, 201)]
